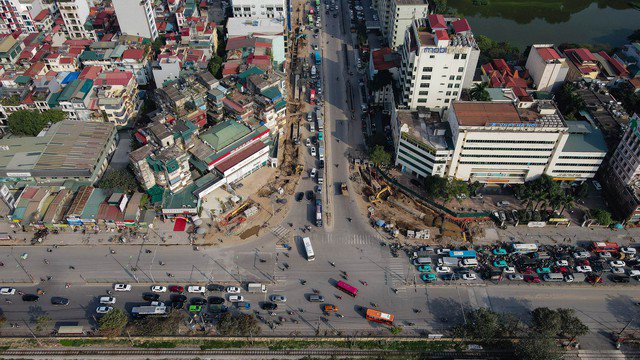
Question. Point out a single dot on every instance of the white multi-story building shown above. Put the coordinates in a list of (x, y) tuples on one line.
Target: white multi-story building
[(136, 18), (625, 161), (20, 15), (259, 9), (505, 143), (422, 142), (547, 68), (74, 14), (439, 57), (396, 17)]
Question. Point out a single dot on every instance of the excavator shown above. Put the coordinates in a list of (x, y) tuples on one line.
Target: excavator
[(375, 199)]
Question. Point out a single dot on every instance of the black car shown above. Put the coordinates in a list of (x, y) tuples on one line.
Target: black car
[(30, 297), (269, 306), (179, 298), (57, 300), (299, 196), (321, 164), (215, 287), (177, 304), (150, 297), (620, 279), (216, 300), (310, 195), (198, 301)]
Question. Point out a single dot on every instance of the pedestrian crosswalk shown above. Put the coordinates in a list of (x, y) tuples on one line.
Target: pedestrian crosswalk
[(355, 239), (395, 273), (280, 231)]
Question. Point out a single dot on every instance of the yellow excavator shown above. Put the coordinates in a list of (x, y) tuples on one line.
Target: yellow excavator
[(375, 199)]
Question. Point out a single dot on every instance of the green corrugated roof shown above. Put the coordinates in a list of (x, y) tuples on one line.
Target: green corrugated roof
[(117, 51), (252, 71), (89, 55), (280, 104), (271, 93), (584, 138), (70, 90), (181, 199), (93, 204), (22, 80), (224, 134), (53, 99), (155, 193)]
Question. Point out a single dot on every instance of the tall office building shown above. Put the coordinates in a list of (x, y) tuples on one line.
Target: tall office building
[(439, 57), (136, 18), (74, 14), (396, 17), (547, 68)]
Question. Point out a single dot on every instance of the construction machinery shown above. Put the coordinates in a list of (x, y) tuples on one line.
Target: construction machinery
[(376, 198), (298, 168), (344, 189), (233, 217)]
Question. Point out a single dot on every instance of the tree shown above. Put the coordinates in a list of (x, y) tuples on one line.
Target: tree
[(395, 330), (435, 186), (602, 217), (121, 180), (490, 49), (381, 79), (379, 156), (546, 321), (572, 327), (156, 326), (537, 346), (482, 324), (238, 325), (42, 322), (582, 191), (215, 66), (440, 7), (30, 123), (456, 189), (569, 101), (112, 323), (625, 93), (158, 43), (479, 92)]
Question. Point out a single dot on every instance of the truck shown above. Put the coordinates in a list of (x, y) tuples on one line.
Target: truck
[(256, 288), (320, 124), (344, 189), (318, 213), (148, 310), (448, 261)]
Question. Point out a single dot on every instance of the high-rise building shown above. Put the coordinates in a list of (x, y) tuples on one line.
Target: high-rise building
[(20, 15), (136, 18), (547, 68), (396, 17), (439, 57), (259, 9), (74, 14)]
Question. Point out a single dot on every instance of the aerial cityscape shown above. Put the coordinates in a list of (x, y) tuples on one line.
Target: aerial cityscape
[(271, 179)]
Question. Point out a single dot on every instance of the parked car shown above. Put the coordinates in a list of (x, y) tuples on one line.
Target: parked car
[(159, 289), (499, 251), (628, 250), (299, 197), (594, 279), (509, 270), (503, 203), (269, 306), (198, 301), (107, 300), (103, 309), (30, 297), (620, 279), (278, 298), (515, 277), (443, 269), (60, 301), (500, 263), (122, 287), (532, 279), (7, 291), (581, 255), (236, 298), (605, 255), (617, 263), (424, 268), (428, 277), (469, 277), (562, 263), (150, 297), (596, 185), (196, 289), (176, 289), (584, 269), (216, 300), (233, 290)]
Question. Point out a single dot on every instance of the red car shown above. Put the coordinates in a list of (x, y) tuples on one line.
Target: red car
[(584, 262), (532, 279), (528, 271), (592, 279), (176, 289), (561, 269)]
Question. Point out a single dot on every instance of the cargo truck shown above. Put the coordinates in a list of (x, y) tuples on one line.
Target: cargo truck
[(256, 288), (344, 189)]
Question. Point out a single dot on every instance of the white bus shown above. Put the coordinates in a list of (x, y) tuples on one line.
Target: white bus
[(524, 248), (307, 247)]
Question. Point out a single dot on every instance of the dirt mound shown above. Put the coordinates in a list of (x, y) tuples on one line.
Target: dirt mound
[(250, 232)]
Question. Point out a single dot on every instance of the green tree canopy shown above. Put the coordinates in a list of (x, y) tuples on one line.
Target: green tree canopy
[(238, 325), (379, 156), (156, 326), (490, 49), (602, 217), (546, 321), (112, 323), (569, 101), (122, 180), (215, 66), (537, 346), (479, 92), (30, 123), (435, 186)]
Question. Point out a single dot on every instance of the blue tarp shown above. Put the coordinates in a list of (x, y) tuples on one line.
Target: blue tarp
[(379, 222), (69, 78)]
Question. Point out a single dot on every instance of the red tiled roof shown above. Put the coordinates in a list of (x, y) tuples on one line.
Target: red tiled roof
[(230, 68), (635, 82), (442, 35), (384, 59), (78, 42), (436, 21), (240, 156), (619, 68), (90, 72), (112, 78), (135, 54), (41, 15), (461, 25), (584, 55), (66, 60), (35, 69), (548, 53)]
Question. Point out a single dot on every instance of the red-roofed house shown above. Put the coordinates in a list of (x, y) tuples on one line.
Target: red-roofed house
[(548, 69), (90, 72), (36, 70), (436, 21), (461, 26), (116, 93), (44, 20), (582, 64), (379, 60), (500, 75), (611, 68)]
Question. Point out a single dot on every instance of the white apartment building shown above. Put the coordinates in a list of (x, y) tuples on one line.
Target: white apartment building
[(136, 18), (547, 68), (504, 143), (439, 57), (20, 15), (625, 161), (396, 16), (259, 9), (74, 14), (421, 141)]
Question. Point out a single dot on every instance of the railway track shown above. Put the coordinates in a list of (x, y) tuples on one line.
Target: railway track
[(30, 353)]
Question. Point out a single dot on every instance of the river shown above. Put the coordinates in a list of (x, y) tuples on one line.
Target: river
[(526, 22)]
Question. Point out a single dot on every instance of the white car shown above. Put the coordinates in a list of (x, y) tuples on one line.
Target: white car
[(158, 289), (313, 172), (596, 185), (107, 300), (233, 290), (313, 151), (583, 269), (509, 270), (569, 278), (196, 289), (443, 269), (122, 287), (515, 277), (617, 263), (503, 203), (605, 255), (628, 250), (469, 277), (617, 270), (278, 298), (103, 309), (236, 298), (7, 291), (562, 263), (308, 142), (156, 303), (581, 255)]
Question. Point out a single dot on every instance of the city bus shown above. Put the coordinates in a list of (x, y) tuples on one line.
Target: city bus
[(463, 254), (307, 247), (601, 246), (379, 317), (139, 311), (341, 285), (524, 248)]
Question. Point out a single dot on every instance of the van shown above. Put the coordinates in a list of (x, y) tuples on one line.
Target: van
[(320, 179), (553, 277), (313, 70), (422, 261), (316, 298), (468, 263)]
